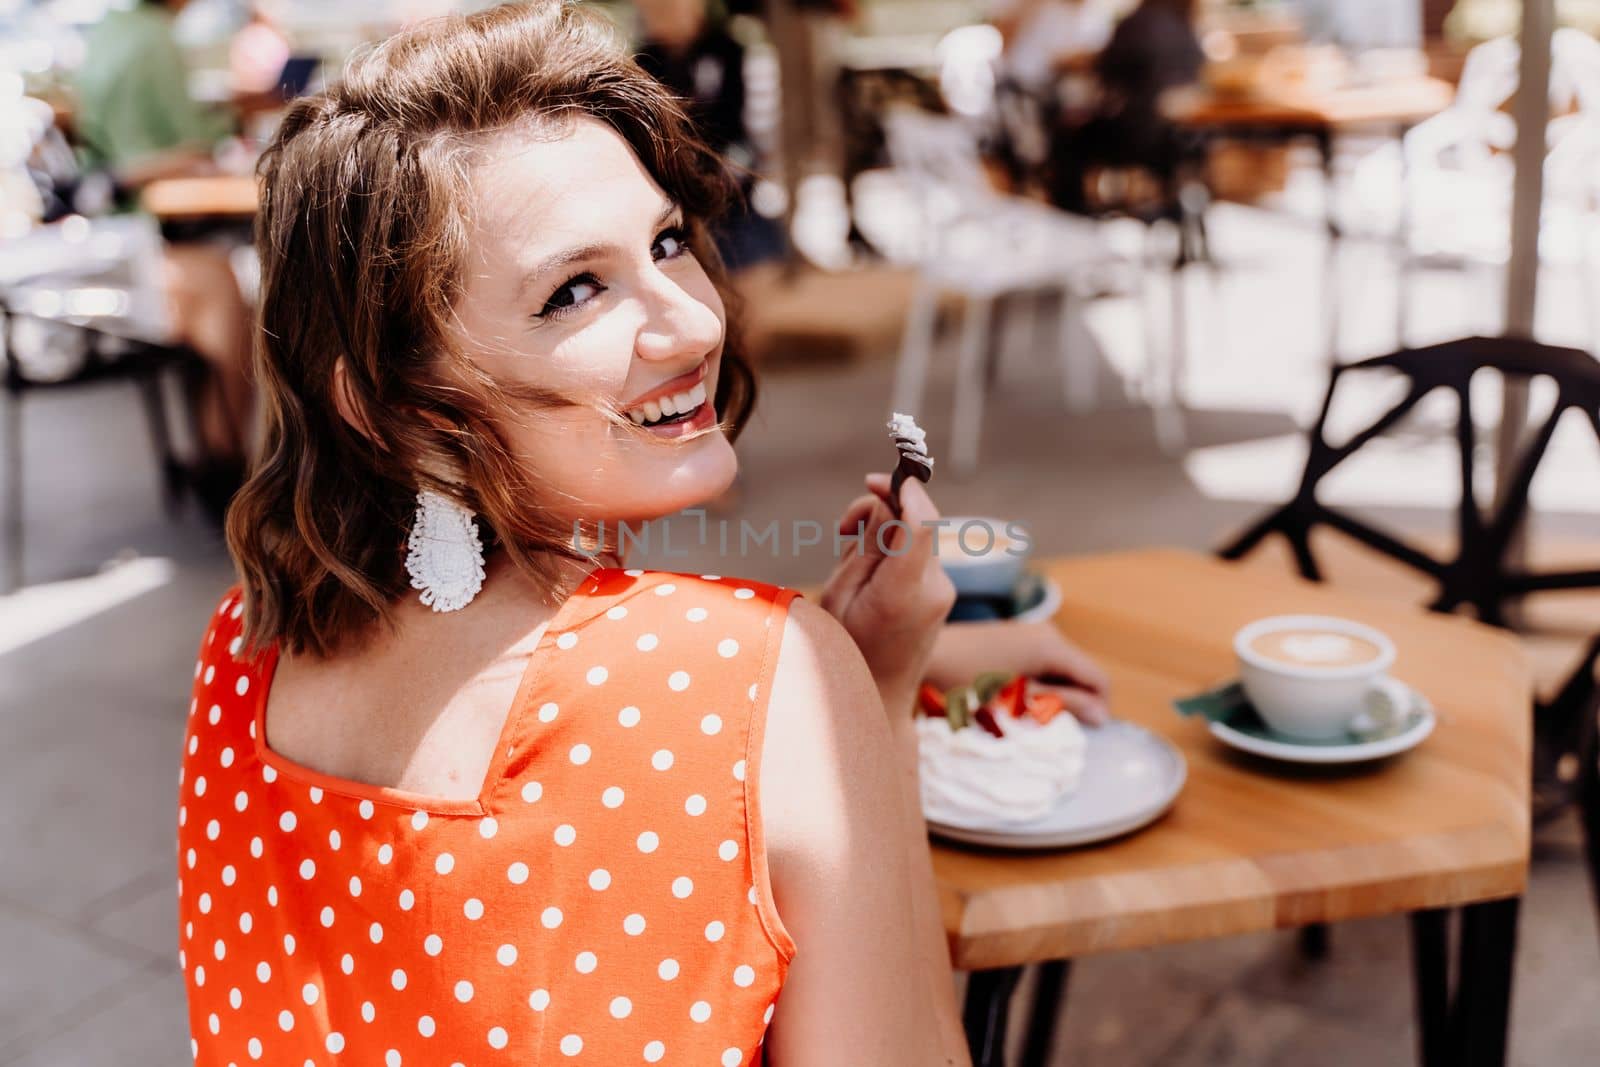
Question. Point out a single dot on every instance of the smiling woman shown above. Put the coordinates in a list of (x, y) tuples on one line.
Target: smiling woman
[(554, 808)]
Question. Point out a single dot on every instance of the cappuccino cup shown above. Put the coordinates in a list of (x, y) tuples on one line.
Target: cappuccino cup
[(1310, 676), (983, 556)]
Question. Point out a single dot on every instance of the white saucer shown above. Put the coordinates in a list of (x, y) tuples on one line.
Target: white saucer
[(1262, 741), (1130, 777)]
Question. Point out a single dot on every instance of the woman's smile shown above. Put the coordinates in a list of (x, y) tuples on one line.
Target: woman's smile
[(678, 406)]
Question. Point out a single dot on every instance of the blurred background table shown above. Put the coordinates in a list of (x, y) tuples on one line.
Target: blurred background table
[(1304, 109), (1252, 846), (223, 196), (1280, 114)]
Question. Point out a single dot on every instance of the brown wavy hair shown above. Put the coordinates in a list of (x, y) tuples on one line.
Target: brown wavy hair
[(362, 234)]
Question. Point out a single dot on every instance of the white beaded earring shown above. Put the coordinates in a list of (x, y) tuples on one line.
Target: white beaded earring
[(444, 554)]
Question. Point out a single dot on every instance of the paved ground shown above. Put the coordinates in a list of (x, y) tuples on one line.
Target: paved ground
[(91, 712)]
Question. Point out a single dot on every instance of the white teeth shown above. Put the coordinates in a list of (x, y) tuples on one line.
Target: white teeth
[(664, 407)]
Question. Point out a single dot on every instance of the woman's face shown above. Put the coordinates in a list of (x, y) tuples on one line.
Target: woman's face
[(579, 279)]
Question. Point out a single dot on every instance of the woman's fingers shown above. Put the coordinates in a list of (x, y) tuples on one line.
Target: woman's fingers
[(1064, 663), (1088, 708), (859, 512)]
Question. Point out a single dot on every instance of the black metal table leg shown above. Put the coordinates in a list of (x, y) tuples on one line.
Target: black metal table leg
[(984, 1016), (1483, 997), (1430, 965), (1048, 1005), (1466, 1027), (1314, 942)]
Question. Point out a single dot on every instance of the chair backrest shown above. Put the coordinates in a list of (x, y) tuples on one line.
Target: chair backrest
[(1481, 574), (1466, 134), (934, 149), (1575, 71), (1489, 75)]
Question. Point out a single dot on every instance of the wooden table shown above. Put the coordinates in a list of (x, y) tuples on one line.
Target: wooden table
[(1251, 845), (223, 196), (1288, 113), (1399, 103)]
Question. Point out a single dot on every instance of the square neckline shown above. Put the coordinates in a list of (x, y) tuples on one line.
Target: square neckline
[(559, 623)]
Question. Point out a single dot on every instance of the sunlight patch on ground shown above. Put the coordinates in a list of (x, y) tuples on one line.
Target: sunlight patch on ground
[(41, 610)]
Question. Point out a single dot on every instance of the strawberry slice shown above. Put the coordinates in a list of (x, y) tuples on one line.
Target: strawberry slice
[(985, 718), (1042, 707), (930, 701), (1012, 696)]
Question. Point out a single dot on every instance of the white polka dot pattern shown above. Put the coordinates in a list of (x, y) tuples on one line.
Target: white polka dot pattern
[(611, 815)]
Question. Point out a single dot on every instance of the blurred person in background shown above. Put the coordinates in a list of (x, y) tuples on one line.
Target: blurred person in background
[(1153, 50), (690, 51), (134, 113), (257, 54), (136, 119)]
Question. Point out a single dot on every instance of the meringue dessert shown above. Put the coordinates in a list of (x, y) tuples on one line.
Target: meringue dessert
[(972, 776), (999, 767)]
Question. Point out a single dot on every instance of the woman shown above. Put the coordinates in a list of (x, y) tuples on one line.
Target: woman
[(550, 808)]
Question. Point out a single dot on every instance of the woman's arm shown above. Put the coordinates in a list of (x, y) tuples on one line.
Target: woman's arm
[(851, 871)]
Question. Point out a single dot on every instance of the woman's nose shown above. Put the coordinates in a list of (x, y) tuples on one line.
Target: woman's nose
[(680, 321)]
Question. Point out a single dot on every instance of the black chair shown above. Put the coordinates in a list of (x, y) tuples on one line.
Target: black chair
[(1483, 573), (1589, 792), (104, 359)]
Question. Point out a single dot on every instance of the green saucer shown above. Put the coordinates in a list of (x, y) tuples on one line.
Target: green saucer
[(1233, 720)]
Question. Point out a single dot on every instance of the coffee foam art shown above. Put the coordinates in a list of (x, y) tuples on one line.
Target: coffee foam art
[(1315, 648), (970, 776)]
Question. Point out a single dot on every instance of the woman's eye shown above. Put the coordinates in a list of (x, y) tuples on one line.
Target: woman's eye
[(673, 242), (572, 294)]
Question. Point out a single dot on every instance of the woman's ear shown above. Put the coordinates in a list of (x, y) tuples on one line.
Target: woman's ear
[(349, 406)]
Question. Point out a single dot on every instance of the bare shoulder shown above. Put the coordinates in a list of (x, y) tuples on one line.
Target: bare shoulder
[(820, 681), (826, 739)]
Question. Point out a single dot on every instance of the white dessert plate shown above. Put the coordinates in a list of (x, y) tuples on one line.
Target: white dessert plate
[(1130, 777), (1252, 735)]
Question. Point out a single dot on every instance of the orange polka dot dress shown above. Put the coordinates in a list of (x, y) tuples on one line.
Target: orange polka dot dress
[(604, 900)]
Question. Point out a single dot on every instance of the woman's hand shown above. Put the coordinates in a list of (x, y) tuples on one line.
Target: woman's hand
[(892, 603), (1036, 649)]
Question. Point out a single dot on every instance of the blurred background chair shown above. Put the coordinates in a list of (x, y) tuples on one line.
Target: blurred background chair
[(980, 246), (1444, 193), (1155, 189), (78, 306)]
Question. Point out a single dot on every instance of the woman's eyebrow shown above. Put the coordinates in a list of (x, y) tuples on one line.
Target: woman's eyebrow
[(582, 253)]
